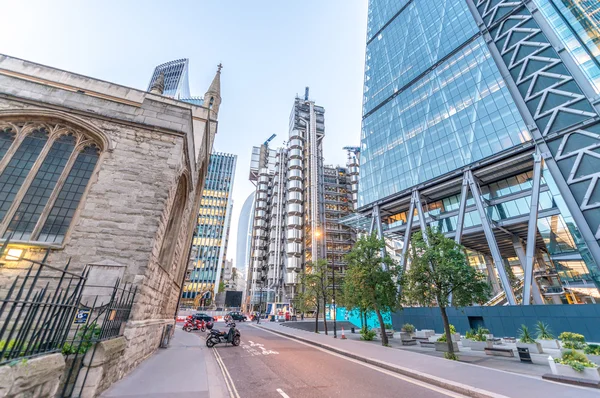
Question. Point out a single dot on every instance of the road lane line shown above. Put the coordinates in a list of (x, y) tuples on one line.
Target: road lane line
[(378, 369), (223, 373), (228, 379), (284, 395)]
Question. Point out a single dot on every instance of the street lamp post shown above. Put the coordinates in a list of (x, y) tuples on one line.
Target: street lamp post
[(334, 305)]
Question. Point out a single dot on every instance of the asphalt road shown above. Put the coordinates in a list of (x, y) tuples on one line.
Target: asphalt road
[(267, 365)]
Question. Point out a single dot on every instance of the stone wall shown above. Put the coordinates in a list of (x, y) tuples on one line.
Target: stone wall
[(151, 144), (100, 368), (33, 378)]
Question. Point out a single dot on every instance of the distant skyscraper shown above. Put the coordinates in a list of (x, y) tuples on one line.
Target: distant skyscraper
[(214, 219), (176, 79), (244, 235), (298, 204), (474, 110)]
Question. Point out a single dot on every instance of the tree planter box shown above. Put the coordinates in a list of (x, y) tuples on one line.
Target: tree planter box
[(534, 348), (442, 346), (594, 358), (424, 333), (466, 342), (456, 337), (390, 334), (406, 336), (550, 344), (480, 345), (587, 374), (562, 350)]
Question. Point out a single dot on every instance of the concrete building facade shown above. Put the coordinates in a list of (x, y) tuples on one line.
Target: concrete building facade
[(102, 173), (481, 119)]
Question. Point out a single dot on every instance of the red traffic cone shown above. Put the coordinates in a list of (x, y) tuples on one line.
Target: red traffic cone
[(343, 335)]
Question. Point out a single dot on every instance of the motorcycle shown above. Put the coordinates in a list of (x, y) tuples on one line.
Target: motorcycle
[(216, 336), (191, 324)]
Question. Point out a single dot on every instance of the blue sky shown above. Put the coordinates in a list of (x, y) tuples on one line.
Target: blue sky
[(270, 50)]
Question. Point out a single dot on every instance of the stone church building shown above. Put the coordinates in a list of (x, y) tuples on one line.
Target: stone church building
[(104, 174)]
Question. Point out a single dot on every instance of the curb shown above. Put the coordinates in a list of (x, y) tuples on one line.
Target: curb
[(424, 377)]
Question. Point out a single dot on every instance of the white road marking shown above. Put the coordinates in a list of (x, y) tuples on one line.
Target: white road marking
[(254, 352), (233, 393), (378, 369), (284, 395)]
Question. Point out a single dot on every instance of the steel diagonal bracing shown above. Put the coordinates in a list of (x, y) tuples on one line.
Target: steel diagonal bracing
[(551, 95), (491, 239)]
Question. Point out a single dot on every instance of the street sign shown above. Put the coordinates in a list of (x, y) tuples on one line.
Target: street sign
[(81, 317)]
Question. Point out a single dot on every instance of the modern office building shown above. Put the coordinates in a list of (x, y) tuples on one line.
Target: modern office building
[(297, 205), (176, 84), (244, 235), (210, 242), (481, 118)]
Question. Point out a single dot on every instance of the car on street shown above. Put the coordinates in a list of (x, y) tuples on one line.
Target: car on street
[(238, 316), (203, 317)]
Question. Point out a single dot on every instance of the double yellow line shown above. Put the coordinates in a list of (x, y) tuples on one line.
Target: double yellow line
[(233, 393)]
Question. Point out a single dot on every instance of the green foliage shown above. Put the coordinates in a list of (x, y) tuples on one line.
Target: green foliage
[(439, 270), (569, 336), (543, 331), (525, 335), (592, 349), (367, 335), (573, 341), (576, 360), (85, 339), (471, 334), (388, 326), (9, 346), (478, 335), (451, 356), (443, 337), (369, 283), (408, 328)]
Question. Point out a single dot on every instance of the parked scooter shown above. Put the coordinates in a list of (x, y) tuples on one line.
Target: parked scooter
[(191, 324), (215, 336)]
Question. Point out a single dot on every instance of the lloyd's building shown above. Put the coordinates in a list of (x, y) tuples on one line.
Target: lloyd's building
[(482, 118)]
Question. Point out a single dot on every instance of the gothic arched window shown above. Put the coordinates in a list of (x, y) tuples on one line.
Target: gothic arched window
[(44, 171)]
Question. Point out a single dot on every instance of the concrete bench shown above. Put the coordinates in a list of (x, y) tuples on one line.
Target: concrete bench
[(409, 342), (427, 343), (499, 352)]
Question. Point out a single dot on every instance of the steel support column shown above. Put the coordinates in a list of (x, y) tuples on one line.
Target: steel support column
[(489, 264), (537, 295), (422, 223), (491, 239), (378, 226), (464, 192), (407, 232), (532, 230)]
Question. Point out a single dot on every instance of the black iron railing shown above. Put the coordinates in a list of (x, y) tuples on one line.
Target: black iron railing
[(37, 310)]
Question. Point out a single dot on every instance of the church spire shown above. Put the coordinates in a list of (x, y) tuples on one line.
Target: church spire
[(212, 98)]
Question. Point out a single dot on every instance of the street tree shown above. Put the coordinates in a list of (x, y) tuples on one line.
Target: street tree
[(370, 283), (439, 275), (316, 281)]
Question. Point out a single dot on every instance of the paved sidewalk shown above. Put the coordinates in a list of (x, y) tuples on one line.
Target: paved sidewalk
[(186, 369), (472, 380), (478, 358)]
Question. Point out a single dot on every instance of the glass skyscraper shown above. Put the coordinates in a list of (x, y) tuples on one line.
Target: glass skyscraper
[(472, 111), (176, 79), (209, 247)]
